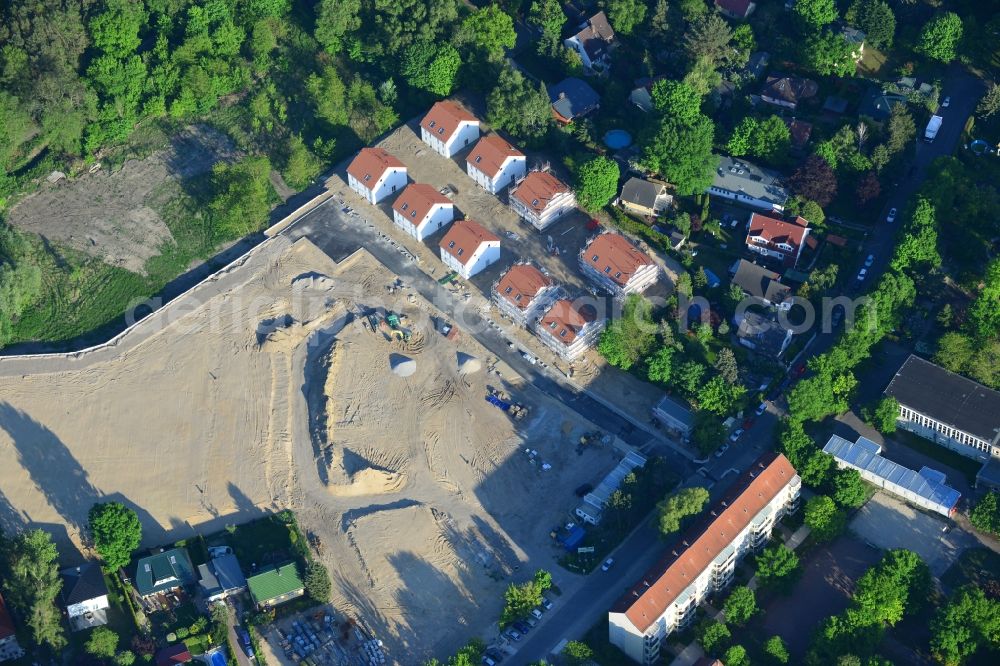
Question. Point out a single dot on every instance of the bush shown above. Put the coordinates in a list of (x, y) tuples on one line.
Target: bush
[(317, 581)]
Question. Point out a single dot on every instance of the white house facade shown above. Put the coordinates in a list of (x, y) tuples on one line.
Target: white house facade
[(375, 174), (421, 210), (614, 264), (468, 248), (494, 164), (448, 128), (569, 329), (541, 199), (523, 292), (705, 560)]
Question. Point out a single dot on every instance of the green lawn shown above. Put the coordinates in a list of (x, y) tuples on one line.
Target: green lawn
[(267, 540)]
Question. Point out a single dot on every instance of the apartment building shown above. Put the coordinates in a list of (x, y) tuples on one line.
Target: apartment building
[(704, 560)]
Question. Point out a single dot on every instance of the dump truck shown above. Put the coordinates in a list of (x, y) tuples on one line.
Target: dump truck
[(933, 125)]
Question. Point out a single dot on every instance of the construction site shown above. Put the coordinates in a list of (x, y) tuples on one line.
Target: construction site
[(426, 471)]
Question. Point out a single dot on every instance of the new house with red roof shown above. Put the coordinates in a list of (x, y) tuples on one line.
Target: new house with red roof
[(614, 264), (448, 128), (522, 292), (421, 210), (468, 248), (541, 199), (777, 239), (569, 328), (375, 174), (704, 560), (495, 164)]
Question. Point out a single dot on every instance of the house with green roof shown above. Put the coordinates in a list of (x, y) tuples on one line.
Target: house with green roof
[(276, 585), (163, 571)]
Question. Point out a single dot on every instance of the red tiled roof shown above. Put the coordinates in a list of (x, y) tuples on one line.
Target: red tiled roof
[(521, 283), (370, 164), (662, 584), (174, 654), (444, 118), (799, 130), (6, 624), (464, 238), (416, 202), (616, 257), (564, 320), (490, 153), (734, 7), (776, 231), (538, 188)]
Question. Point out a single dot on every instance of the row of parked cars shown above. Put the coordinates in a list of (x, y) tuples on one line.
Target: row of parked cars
[(517, 630)]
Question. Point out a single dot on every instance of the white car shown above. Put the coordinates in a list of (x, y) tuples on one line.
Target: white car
[(891, 217), (862, 274), (721, 451), (761, 409), (869, 261), (946, 102), (528, 357), (736, 435), (608, 563)]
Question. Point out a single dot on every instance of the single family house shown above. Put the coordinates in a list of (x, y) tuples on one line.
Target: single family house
[(540, 199), (569, 329), (522, 292), (221, 576), (163, 571), (613, 263), (468, 248), (375, 174), (495, 164), (777, 239), (644, 197), (594, 42), (85, 596), (448, 128), (749, 184), (9, 647), (421, 210), (736, 9), (573, 98), (788, 91), (762, 284)]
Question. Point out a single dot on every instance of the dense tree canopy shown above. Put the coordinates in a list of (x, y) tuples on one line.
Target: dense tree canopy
[(116, 532), (682, 153), (815, 180), (824, 518), (740, 605), (876, 19), (778, 566), (940, 36), (519, 106), (626, 15), (814, 14), (597, 183), (32, 585), (678, 506)]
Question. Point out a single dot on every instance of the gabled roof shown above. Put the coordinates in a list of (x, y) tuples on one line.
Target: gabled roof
[(274, 582), (521, 284), (163, 571), (368, 167), (754, 181), (538, 189), (947, 397), (564, 320), (595, 35), (642, 192), (444, 118), (464, 238), (669, 577), (416, 202), (735, 7), (799, 130), (775, 231), (613, 255), (760, 282), (767, 335), (221, 574), (791, 89), (490, 153), (173, 654), (83, 583), (572, 98), (6, 624)]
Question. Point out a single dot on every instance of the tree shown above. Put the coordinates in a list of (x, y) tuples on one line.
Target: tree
[(578, 652), (902, 129), (771, 139), (898, 585), (714, 637), (518, 106), (519, 600), (736, 655), (776, 650), (875, 19), (867, 189), (431, 67), (678, 506), (848, 489), (828, 53), (116, 532), (740, 605), (886, 414), (707, 433), (824, 518), (778, 567), (689, 376), (489, 29), (300, 165), (719, 396), (115, 31), (328, 94), (985, 515), (940, 37), (683, 154), (984, 315), (625, 15), (725, 364), (814, 14), (990, 103), (243, 196), (548, 16), (32, 585), (741, 140), (317, 582), (955, 351), (815, 180), (543, 579), (660, 366), (597, 183), (967, 622), (708, 38), (676, 100), (103, 643), (659, 23), (334, 19), (630, 337), (125, 658)]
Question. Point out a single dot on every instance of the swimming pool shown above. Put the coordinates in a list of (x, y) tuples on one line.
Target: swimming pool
[(617, 138)]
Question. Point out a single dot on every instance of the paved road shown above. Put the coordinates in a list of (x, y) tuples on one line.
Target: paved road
[(339, 235)]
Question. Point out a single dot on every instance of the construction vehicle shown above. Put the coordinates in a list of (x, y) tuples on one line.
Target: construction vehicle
[(502, 401)]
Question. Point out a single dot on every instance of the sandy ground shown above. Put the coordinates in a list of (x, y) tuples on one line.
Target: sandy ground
[(112, 215), (259, 391)]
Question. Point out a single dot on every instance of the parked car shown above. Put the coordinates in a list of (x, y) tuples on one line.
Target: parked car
[(513, 634), (891, 217), (761, 408), (488, 661), (736, 435), (245, 642), (862, 274), (528, 357), (721, 451), (608, 563), (523, 627), (495, 655), (946, 102), (869, 261), (546, 604), (536, 613)]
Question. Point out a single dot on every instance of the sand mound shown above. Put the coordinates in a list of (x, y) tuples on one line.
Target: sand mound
[(313, 282), (369, 481), (468, 364), (402, 366)]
